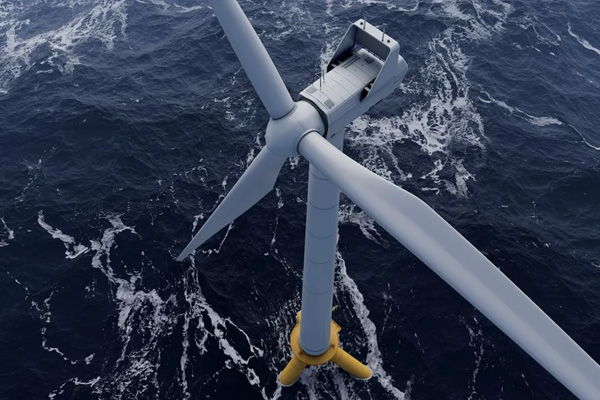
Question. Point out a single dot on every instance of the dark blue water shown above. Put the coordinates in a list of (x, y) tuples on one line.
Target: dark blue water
[(123, 123)]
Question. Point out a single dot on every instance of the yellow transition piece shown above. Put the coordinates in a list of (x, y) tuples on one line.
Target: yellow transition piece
[(300, 360)]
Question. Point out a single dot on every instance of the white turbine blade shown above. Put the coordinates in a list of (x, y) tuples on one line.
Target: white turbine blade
[(254, 58), (460, 264), (255, 183)]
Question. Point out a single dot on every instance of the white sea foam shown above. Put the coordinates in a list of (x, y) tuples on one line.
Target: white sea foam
[(133, 365), (374, 357), (544, 34), (33, 172), (168, 6), (389, 4), (582, 41), (476, 342), (144, 319), (217, 250), (293, 18), (102, 20), (327, 52), (584, 139), (487, 20), (238, 108), (330, 4), (461, 176), (74, 250), (538, 121), (376, 139), (366, 224), (74, 382), (18, 282), (7, 235), (446, 117), (200, 308), (458, 187), (45, 316)]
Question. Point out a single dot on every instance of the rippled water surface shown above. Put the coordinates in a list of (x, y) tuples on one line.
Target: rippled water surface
[(123, 123)]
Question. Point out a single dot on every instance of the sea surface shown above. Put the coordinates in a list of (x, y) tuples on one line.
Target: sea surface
[(123, 123)]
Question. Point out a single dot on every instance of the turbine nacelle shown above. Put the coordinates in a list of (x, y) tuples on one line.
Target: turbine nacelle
[(365, 68)]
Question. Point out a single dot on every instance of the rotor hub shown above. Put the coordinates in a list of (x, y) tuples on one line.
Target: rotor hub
[(284, 134)]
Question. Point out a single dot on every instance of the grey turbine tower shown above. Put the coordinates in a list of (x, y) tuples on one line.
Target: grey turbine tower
[(365, 68)]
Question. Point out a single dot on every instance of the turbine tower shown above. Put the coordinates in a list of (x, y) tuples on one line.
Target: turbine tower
[(366, 68)]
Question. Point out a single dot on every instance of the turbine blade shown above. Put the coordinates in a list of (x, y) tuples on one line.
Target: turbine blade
[(255, 183), (254, 58), (427, 235)]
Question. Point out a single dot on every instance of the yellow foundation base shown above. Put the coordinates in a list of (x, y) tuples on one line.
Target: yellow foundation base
[(334, 353)]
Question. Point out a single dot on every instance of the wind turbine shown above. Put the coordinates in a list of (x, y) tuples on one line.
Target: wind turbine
[(365, 68)]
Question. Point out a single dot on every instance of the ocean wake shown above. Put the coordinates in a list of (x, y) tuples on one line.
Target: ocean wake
[(7, 235), (446, 118), (582, 41), (537, 121), (90, 20)]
